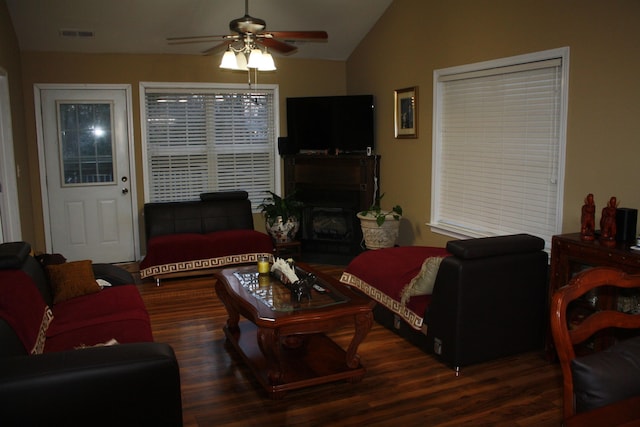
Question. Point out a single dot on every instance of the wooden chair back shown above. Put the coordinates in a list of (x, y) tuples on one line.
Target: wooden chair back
[(566, 337)]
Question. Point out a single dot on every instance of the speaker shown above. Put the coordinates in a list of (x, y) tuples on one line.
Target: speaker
[(286, 146), (626, 221)]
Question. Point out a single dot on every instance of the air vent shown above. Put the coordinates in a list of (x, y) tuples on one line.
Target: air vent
[(76, 33)]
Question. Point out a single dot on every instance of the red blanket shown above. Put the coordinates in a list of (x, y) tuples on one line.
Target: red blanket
[(382, 274), (23, 308)]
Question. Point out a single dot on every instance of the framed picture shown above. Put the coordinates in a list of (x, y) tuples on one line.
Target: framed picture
[(406, 112)]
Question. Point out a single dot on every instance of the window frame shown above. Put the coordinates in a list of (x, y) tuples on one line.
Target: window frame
[(208, 88), (436, 224)]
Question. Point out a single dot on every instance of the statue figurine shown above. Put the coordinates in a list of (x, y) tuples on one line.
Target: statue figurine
[(608, 223), (588, 219)]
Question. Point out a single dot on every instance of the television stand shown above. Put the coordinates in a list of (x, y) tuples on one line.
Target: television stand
[(333, 188)]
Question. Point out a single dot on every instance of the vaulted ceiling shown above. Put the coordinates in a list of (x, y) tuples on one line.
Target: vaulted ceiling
[(142, 26)]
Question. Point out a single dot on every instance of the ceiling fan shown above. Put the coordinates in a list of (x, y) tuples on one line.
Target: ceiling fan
[(249, 33)]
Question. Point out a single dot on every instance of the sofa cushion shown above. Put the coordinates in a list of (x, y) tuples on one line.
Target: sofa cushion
[(233, 242), (171, 248), (23, 308), (114, 313), (72, 279), (383, 274), (607, 376)]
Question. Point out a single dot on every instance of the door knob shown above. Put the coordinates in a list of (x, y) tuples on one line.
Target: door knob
[(125, 190)]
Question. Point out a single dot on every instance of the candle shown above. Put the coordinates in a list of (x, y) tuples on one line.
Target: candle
[(263, 265)]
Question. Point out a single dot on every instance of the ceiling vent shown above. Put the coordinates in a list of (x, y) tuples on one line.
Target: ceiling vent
[(76, 33)]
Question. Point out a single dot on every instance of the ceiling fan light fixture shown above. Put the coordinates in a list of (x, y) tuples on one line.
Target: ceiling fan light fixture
[(229, 61), (255, 58), (267, 63), (241, 61)]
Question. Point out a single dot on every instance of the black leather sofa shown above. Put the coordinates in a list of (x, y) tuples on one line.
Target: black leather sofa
[(193, 237), (128, 384), (489, 299)]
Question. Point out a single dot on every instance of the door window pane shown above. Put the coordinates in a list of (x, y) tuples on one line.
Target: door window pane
[(86, 143)]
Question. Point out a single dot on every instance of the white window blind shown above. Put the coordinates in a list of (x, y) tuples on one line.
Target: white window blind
[(498, 148), (213, 140)]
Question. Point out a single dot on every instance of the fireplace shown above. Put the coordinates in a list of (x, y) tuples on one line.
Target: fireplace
[(333, 189), (330, 224)]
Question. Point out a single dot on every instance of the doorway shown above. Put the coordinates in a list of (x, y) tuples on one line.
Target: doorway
[(85, 147), (9, 211)]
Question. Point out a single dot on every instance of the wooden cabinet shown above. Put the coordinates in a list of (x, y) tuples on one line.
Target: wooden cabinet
[(570, 255), (336, 187), (343, 173)]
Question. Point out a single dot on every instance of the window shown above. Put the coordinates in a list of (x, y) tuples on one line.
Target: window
[(86, 144), (204, 138), (498, 149)]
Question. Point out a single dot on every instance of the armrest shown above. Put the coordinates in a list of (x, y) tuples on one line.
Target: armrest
[(484, 308), (13, 254), (112, 274), (127, 384)]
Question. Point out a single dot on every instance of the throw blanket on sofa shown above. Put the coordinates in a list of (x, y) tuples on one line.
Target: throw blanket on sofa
[(178, 253), (383, 275)]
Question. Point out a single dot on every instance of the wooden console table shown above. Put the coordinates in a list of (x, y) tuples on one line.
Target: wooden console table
[(570, 254)]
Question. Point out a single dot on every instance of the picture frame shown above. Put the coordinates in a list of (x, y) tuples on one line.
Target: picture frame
[(406, 112)]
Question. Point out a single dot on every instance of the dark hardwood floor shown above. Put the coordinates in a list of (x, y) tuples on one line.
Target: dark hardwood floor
[(403, 385)]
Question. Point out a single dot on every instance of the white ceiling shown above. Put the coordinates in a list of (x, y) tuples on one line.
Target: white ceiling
[(142, 26)]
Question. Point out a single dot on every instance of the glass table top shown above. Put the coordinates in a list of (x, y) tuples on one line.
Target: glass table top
[(278, 297)]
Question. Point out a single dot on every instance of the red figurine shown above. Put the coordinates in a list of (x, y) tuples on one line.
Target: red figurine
[(588, 219), (608, 223)]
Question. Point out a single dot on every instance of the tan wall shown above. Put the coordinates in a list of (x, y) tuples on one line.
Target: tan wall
[(295, 77), (10, 63), (415, 37)]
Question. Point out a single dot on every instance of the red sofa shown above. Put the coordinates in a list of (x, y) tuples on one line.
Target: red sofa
[(55, 368), (194, 236)]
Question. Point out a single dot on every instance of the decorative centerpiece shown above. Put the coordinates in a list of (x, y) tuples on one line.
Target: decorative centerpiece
[(285, 272), (282, 216)]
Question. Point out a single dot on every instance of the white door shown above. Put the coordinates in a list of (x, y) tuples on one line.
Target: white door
[(85, 136)]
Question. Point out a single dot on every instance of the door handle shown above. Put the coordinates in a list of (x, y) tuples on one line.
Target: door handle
[(125, 190)]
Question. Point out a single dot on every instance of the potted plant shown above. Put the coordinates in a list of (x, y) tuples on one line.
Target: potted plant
[(376, 230), (282, 216)]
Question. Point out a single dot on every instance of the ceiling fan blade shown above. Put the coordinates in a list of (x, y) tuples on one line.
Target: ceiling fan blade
[(194, 39), (277, 45), (300, 35), (216, 49)]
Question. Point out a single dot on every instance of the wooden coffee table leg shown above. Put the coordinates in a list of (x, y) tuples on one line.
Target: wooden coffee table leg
[(363, 322), (269, 343), (234, 316)]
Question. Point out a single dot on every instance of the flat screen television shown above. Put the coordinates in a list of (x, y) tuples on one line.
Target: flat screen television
[(336, 124)]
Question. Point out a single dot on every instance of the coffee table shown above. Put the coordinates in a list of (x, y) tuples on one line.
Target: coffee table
[(284, 341)]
